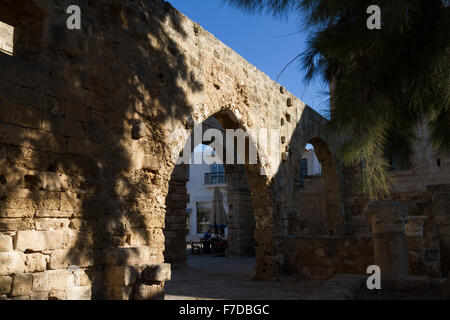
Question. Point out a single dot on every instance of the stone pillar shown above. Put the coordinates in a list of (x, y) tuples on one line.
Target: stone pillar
[(176, 218), (414, 236), (241, 220), (440, 207), (389, 238)]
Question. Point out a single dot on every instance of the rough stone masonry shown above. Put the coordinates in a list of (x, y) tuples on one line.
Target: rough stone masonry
[(87, 182)]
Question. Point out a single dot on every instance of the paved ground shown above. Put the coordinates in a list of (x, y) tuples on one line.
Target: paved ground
[(210, 277)]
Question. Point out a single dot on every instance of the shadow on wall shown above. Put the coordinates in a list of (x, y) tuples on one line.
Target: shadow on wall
[(67, 117)]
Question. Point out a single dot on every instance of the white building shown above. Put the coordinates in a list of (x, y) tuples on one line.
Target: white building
[(203, 178), (310, 165)]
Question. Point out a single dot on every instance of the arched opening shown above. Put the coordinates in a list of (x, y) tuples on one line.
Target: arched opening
[(188, 210), (203, 179), (231, 180), (319, 193)]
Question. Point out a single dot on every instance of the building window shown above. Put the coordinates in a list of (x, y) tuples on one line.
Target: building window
[(203, 218), (188, 219), (216, 174), (6, 38), (216, 168)]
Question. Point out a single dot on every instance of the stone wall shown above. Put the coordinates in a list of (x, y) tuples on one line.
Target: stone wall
[(241, 219), (439, 233), (176, 217), (311, 215), (325, 256), (427, 168), (89, 121), (317, 204)]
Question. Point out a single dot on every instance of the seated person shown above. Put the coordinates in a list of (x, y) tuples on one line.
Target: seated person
[(207, 241), (207, 235)]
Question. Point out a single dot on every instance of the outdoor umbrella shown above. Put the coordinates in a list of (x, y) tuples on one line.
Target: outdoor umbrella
[(218, 215)]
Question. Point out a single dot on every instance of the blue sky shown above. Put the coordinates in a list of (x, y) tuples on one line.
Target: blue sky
[(260, 39)]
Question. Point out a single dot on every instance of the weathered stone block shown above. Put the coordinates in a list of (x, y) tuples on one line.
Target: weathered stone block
[(27, 158), (53, 280), (25, 200), (70, 202), (22, 284), (6, 243), (63, 126), (83, 240), (86, 224), (146, 237), (83, 147), (76, 111), (11, 263), (5, 284), (53, 214), (40, 240), (147, 221), (46, 224), (29, 118), (81, 278), (156, 272), (56, 294), (61, 259), (127, 256), (49, 181), (36, 262), (122, 276), (79, 293), (47, 141), (16, 213), (11, 134), (151, 163), (39, 296), (149, 292), (139, 130), (21, 298), (16, 224)]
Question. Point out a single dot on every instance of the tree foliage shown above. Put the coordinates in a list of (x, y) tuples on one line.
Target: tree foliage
[(384, 83)]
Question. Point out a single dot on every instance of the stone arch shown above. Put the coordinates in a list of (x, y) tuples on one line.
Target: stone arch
[(257, 198), (331, 186)]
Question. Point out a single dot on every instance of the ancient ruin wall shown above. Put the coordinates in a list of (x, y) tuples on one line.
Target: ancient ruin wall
[(325, 256), (89, 121)]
